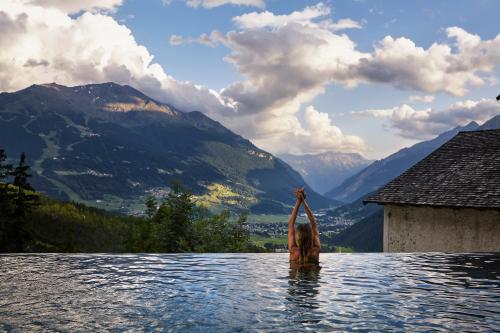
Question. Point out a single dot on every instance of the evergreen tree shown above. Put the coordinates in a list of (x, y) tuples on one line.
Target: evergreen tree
[(151, 208), (21, 174), (5, 171), (240, 235), (25, 199), (5, 201), (173, 221)]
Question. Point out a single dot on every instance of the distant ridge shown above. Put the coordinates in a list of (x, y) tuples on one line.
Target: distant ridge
[(326, 170), (493, 123), (382, 171), (366, 235)]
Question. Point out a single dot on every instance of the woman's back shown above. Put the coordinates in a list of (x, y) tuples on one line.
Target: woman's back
[(303, 241), (312, 258)]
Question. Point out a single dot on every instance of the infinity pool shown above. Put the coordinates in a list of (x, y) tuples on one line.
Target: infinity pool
[(249, 292)]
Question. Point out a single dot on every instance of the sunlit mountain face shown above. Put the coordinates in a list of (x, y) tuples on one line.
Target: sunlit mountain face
[(112, 146)]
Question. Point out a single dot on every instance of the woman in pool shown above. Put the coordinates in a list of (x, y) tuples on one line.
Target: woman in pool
[(303, 241)]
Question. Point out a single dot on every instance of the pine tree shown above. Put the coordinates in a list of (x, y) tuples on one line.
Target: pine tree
[(5, 171), (25, 199), (21, 174), (173, 221), (241, 234), (151, 207), (6, 200)]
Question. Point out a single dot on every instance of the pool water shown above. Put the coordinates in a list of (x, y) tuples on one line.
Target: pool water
[(249, 292)]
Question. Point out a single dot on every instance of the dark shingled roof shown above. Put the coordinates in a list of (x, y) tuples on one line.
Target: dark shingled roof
[(464, 172)]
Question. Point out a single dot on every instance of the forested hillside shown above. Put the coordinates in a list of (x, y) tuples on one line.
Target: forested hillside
[(31, 222), (110, 146)]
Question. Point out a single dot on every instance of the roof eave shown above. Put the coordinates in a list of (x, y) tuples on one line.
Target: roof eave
[(382, 202)]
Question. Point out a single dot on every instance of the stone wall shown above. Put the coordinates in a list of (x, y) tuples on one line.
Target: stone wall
[(427, 229)]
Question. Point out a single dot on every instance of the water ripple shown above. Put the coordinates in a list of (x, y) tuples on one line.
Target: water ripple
[(249, 293)]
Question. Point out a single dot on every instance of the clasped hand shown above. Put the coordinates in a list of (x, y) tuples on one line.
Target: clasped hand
[(300, 194)]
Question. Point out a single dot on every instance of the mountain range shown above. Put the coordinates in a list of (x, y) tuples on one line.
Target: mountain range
[(111, 146), (383, 171), (366, 235), (327, 170)]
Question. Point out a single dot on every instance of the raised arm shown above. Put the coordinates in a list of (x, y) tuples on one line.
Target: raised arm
[(292, 245), (314, 227)]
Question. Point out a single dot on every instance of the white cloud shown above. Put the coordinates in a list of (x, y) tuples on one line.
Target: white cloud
[(45, 44), (73, 6), (204, 39), (284, 133), (441, 67), (321, 135), (422, 98), (217, 3), (256, 20), (286, 61), (176, 40), (30, 52), (286, 66), (342, 24), (308, 16), (464, 61), (427, 123)]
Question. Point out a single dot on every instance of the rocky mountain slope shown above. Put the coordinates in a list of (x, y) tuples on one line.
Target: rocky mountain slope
[(325, 171), (383, 171), (112, 146), (493, 123)]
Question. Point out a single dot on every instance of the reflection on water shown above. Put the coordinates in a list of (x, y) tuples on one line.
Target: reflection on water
[(303, 289), (249, 292)]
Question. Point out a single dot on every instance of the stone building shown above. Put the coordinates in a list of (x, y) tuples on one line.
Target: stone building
[(449, 201)]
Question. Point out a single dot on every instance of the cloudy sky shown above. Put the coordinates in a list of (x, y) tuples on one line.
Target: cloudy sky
[(292, 76)]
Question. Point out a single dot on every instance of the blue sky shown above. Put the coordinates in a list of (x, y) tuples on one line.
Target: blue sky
[(370, 100), (424, 22)]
